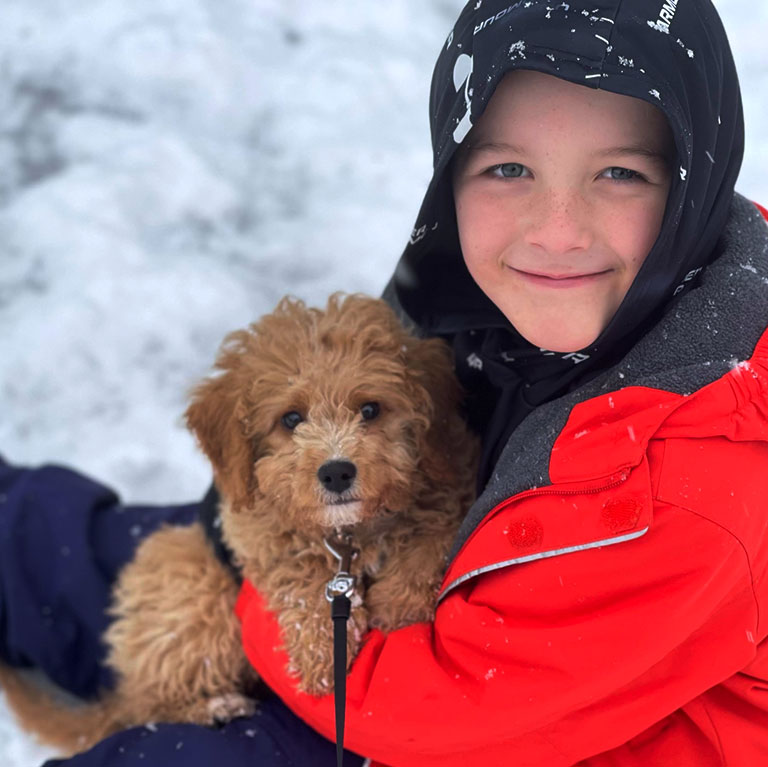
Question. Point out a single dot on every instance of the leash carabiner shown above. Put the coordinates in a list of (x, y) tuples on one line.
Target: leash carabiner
[(338, 591)]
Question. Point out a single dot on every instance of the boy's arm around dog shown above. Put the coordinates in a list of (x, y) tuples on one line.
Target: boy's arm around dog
[(560, 658)]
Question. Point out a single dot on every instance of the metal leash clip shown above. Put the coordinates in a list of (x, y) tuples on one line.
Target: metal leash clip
[(338, 592), (343, 583)]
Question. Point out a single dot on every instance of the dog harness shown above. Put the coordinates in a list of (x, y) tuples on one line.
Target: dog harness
[(209, 517)]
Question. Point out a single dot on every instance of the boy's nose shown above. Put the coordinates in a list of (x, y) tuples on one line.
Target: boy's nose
[(560, 222)]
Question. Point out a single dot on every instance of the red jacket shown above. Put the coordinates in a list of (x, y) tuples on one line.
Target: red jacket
[(612, 617)]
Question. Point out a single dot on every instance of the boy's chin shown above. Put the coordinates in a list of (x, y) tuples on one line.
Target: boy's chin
[(563, 337)]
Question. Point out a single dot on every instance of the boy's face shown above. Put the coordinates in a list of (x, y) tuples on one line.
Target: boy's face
[(560, 193)]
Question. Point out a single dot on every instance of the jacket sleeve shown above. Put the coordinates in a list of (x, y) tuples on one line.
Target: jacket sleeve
[(63, 538), (552, 661)]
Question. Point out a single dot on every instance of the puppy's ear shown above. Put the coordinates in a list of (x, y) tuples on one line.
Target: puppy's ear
[(436, 392), (216, 417)]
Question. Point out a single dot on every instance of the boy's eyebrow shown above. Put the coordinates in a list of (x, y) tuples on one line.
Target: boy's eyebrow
[(638, 150), (495, 146)]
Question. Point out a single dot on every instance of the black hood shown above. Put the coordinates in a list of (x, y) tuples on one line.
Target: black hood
[(674, 55)]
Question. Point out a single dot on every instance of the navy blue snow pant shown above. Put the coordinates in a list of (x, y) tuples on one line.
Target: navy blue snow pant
[(63, 538)]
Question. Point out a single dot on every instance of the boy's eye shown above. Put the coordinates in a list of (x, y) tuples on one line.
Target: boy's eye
[(509, 170), (622, 174)]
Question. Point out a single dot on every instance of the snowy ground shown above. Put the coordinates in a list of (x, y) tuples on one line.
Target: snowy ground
[(170, 168)]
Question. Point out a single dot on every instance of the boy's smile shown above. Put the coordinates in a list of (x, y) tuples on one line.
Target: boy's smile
[(560, 193)]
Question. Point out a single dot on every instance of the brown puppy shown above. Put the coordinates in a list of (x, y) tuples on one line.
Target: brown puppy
[(317, 421)]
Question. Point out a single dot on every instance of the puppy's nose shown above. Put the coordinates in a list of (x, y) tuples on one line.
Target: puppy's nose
[(337, 476)]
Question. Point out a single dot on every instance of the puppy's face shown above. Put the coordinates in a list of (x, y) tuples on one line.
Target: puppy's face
[(325, 417), (341, 442)]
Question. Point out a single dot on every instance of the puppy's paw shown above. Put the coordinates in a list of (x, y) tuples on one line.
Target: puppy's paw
[(232, 705)]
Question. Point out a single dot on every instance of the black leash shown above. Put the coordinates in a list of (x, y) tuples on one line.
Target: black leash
[(338, 592)]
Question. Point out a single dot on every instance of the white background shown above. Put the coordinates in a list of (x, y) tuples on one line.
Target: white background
[(170, 168)]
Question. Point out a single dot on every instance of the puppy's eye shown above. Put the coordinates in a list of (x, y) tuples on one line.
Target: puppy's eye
[(291, 420), (369, 411)]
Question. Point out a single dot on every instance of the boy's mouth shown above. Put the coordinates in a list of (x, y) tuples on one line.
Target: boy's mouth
[(560, 280)]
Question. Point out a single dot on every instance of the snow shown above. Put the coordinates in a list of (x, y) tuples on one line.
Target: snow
[(658, 27), (170, 168), (517, 50)]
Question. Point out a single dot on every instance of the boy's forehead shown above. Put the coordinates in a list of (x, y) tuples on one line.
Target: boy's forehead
[(525, 102)]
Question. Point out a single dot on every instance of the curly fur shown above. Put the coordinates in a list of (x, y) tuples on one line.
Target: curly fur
[(175, 640)]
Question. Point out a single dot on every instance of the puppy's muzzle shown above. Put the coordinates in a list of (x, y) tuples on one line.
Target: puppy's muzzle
[(337, 476)]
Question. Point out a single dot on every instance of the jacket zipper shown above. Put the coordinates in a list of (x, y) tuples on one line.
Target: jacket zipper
[(615, 481)]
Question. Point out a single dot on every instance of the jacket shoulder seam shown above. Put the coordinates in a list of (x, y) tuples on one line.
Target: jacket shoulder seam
[(730, 534)]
